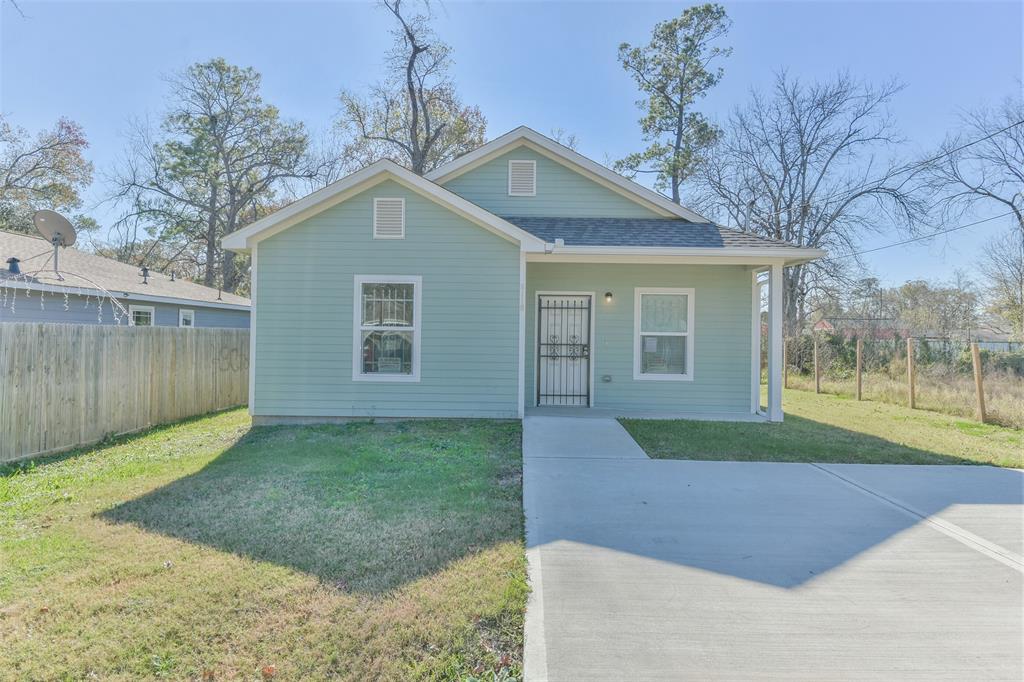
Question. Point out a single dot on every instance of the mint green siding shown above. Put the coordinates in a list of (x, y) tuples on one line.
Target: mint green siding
[(304, 317), (721, 334), (560, 191)]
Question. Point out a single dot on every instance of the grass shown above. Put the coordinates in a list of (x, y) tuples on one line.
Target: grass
[(938, 391), (210, 550), (827, 428)]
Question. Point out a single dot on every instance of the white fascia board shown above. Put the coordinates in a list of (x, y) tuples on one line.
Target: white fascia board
[(75, 290), (243, 240), (647, 254), (567, 157)]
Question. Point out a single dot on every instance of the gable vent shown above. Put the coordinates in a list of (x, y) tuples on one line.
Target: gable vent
[(522, 178), (388, 218)]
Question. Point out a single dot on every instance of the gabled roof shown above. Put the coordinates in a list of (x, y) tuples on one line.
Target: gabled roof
[(569, 158), (92, 273), (361, 180), (642, 232)]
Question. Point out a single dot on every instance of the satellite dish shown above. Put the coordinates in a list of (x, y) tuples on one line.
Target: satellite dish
[(56, 228), (58, 231)]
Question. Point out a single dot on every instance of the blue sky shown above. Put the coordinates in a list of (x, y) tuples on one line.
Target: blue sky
[(543, 64)]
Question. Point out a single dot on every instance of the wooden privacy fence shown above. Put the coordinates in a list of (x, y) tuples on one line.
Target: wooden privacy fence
[(65, 385)]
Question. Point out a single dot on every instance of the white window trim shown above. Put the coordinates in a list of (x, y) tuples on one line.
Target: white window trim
[(373, 226), (142, 309), (181, 317), (637, 342), (357, 326), (522, 194)]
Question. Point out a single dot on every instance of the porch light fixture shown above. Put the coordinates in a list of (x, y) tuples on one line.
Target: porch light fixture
[(607, 297)]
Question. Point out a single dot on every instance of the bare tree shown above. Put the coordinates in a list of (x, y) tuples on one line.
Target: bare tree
[(220, 158), (17, 8), (673, 71), (1002, 266), (46, 170), (800, 164), (414, 117), (565, 138), (982, 164)]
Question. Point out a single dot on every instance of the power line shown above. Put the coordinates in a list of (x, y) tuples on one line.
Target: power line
[(948, 152), (923, 237)]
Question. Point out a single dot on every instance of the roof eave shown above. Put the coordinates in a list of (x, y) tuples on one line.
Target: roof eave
[(120, 294), (242, 241), (787, 255)]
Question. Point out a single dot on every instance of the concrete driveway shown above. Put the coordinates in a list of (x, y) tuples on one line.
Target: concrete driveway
[(654, 569)]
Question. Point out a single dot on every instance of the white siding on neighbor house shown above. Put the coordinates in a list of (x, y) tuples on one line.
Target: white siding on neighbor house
[(304, 320), (561, 191), (721, 334)]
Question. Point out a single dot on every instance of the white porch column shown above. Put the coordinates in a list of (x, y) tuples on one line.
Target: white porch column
[(775, 343)]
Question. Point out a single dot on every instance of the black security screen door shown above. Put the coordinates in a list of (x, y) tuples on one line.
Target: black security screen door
[(563, 350)]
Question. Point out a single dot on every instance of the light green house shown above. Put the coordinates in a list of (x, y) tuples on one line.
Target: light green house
[(520, 277)]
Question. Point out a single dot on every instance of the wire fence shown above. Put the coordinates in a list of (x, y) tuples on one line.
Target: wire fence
[(940, 376)]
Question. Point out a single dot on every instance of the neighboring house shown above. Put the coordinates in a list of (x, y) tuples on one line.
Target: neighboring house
[(879, 331), (89, 281), (519, 275)]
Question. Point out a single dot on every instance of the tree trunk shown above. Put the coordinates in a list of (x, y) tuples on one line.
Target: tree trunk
[(229, 272), (212, 242), (210, 270), (791, 296)]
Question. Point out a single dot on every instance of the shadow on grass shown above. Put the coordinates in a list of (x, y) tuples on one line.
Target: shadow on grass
[(797, 439), (364, 507), (23, 463)]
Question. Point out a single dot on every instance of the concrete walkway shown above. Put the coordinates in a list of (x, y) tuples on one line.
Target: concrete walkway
[(656, 570)]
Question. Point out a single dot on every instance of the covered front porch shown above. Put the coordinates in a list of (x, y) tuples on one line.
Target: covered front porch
[(658, 338)]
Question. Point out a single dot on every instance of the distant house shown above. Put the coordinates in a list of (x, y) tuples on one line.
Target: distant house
[(861, 330), (97, 290), (519, 276)]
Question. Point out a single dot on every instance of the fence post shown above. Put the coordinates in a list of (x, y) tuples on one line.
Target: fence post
[(785, 364), (979, 388), (860, 345), (817, 373), (910, 371)]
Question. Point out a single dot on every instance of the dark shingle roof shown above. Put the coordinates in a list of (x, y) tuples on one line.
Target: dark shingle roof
[(655, 232)]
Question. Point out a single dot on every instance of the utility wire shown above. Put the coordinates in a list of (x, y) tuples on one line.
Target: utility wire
[(923, 237), (948, 152)]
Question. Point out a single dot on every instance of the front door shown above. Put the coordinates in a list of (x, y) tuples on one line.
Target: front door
[(563, 349)]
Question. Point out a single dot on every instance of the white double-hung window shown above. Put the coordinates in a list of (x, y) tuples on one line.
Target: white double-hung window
[(141, 315), (663, 334), (386, 339)]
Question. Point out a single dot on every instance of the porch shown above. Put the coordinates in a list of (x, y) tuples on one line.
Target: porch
[(664, 340)]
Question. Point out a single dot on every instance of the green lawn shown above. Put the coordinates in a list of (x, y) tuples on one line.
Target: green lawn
[(210, 550), (825, 428)]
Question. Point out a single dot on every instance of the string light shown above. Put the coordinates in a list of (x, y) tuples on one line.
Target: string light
[(27, 280)]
